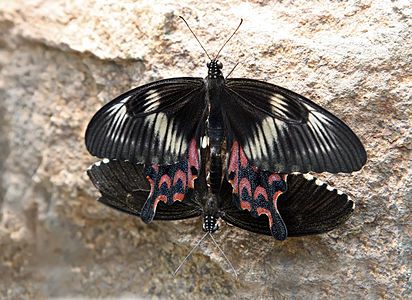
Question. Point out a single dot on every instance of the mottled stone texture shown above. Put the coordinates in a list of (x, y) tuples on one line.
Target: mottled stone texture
[(61, 60)]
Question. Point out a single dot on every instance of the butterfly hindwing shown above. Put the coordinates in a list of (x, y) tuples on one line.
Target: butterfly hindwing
[(150, 124), (284, 132), (124, 186), (309, 206)]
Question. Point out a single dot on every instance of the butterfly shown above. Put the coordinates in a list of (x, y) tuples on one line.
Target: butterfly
[(223, 148)]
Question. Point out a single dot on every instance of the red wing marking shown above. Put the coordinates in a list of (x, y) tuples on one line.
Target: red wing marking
[(264, 211), (178, 197), (163, 179), (151, 186), (160, 198), (235, 184), (233, 168), (234, 158), (274, 177), (180, 175), (170, 183), (245, 184), (193, 155), (275, 198), (260, 191), (193, 158), (256, 190), (243, 159), (245, 205)]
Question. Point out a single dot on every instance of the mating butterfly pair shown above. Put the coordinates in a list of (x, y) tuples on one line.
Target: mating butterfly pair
[(233, 148)]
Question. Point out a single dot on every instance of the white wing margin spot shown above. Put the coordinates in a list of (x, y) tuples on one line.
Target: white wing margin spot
[(319, 182)]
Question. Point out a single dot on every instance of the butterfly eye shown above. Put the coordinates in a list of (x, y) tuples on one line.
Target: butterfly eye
[(208, 65), (219, 65)]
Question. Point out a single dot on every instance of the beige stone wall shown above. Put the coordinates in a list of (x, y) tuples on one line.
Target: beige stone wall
[(62, 60)]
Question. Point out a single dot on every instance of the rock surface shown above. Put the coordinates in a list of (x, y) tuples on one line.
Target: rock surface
[(62, 60)]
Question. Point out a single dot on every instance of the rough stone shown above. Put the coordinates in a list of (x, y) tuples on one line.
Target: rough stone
[(62, 60)]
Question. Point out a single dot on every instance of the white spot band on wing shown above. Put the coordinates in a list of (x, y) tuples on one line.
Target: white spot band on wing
[(163, 129), (152, 101), (265, 136)]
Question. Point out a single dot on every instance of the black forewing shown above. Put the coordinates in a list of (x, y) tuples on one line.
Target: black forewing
[(124, 187), (284, 132), (153, 123), (306, 208)]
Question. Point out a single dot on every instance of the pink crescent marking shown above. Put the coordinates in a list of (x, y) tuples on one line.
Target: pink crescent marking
[(243, 159), (191, 184), (178, 197), (260, 191), (193, 162), (151, 186), (162, 198), (245, 183), (193, 155), (165, 178), (275, 199), (182, 176), (274, 177), (159, 198), (235, 183), (245, 205), (234, 158), (264, 211)]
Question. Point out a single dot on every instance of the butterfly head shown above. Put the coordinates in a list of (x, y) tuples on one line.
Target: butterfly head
[(215, 68), (210, 215)]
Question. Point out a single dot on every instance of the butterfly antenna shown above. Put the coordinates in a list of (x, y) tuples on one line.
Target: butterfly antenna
[(195, 37), (223, 253), (190, 253), (232, 70), (217, 55)]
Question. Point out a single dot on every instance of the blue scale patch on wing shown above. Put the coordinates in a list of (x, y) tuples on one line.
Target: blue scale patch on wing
[(150, 124), (257, 191)]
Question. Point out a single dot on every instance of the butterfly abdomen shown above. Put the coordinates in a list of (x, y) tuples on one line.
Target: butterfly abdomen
[(215, 144), (215, 173)]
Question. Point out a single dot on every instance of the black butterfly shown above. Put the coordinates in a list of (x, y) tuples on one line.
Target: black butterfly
[(223, 148)]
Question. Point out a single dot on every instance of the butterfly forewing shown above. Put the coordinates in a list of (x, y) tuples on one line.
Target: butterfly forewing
[(284, 132), (153, 123)]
